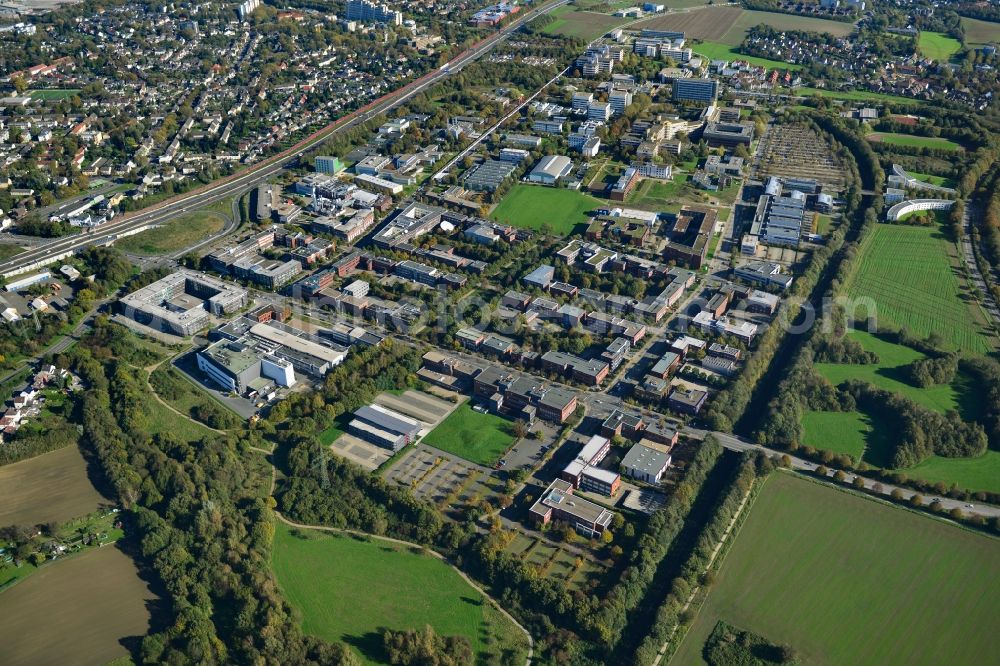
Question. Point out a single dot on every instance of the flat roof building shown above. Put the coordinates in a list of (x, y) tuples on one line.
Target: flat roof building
[(645, 464), (559, 503), (181, 302)]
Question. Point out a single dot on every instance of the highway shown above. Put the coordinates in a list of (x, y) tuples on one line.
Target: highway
[(240, 182)]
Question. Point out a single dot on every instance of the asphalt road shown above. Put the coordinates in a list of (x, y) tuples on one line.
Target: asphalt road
[(163, 212), (969, 256)]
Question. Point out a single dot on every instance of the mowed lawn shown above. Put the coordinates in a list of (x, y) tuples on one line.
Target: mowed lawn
[(480, 438), (982, 473), (175, 235), (848, 580), (910, 274), (54, 93), (840, 432), (75, 611), (914, 141), (720, 51), (531, 206), (888, 373), (937, 45), (350, 590)]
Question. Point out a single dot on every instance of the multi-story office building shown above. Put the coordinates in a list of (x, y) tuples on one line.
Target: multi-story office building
[(362, 10), (696, 90)]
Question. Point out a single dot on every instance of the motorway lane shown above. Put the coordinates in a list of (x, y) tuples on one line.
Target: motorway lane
[(259, 173)]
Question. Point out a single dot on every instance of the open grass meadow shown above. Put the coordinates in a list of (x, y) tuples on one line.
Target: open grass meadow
[(8, 251), (911, 275), (76, 611), (888, 374), (913, 141), (348, 589), (477, 437), (982, 473), (840, 432), (720, 51), (937, 46), (980, 33), (854, 95), (174, 235), (848, 580), (940, 181), (51, 487), (531, 206)]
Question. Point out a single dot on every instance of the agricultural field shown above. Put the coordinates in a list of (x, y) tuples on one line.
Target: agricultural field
[(980, 33), (54, 93), (50, 487), (982, 473), (324, 576), (778, 21), (77, 611), (477, 437), (176, 235), (709, 24), (840, 432), (938, 46), (719, 51), (888, 374), (911, 275), (816, 568), (531, 206), (913, 141), (573, 22)]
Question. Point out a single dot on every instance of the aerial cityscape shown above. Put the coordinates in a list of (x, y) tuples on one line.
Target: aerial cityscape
[(445, 333)]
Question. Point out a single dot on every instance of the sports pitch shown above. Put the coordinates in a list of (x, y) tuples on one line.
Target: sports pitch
[(848, 580), (531, 206), (347, 589)]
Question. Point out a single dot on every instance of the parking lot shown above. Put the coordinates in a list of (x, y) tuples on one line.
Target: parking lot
[(428, 410), (448, 482)]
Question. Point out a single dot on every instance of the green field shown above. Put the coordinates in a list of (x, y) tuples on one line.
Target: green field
[(913, 141), (779, 21), (910, 273), (719, 51), (54, 93), (982, 473), (888, 374), (531, 206), (937, 46), (175, 235), (848, 580), (480, 438), (347, 589), (840, 432), (8, 251), (940, 181), (854, 95), (979, 33), (572, 22)]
